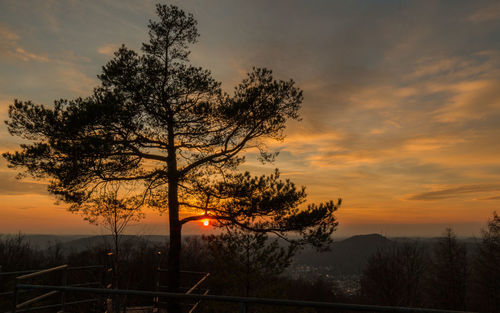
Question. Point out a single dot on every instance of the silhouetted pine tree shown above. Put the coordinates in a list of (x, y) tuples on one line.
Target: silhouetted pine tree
[(164, 129)]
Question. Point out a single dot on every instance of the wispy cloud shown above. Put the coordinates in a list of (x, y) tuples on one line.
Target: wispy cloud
[(27, 56), (491, 198), (425, 144), (9, 185), (455, 192), (401, 102), (10, 47), (486, 14), (471, 100), (75, 80), (108, 49)]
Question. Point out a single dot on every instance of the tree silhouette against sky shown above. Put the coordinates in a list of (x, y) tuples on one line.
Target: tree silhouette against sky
[(165, 130)]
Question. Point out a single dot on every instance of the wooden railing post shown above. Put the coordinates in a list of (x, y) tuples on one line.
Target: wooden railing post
[(117, 303), (109, 278), (156, 300), (15, 295), (243, 307), (63, 293)]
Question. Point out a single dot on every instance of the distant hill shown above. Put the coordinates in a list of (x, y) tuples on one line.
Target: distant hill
[(81, 244), (44, 241), (78, 243), (348, 256)]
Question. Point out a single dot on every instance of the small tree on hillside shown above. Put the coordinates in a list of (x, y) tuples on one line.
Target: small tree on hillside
[(114, 211), (168, 128)]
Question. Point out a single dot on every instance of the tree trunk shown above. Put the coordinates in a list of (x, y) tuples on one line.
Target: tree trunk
[(174, 254), (173, 267), (174, 251), (247, 285), (116, 262)]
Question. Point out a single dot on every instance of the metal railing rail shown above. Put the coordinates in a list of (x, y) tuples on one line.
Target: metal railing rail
[(51, 306), (184, 272), (243, 301), (43, 269), (19, 272)]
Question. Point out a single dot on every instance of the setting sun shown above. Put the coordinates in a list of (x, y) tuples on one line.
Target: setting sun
[(206, 223)]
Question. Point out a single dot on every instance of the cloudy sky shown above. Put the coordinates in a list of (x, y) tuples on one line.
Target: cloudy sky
[(401, 117)]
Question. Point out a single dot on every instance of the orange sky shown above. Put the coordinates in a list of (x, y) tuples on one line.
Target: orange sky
[(401, 116)]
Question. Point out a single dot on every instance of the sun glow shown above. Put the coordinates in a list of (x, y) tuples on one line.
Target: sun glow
[(206, 223)]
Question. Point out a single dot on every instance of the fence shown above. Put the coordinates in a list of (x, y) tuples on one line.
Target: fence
[(27, 305), (242, 301), (64, 289), (113, 303), (196, 285)]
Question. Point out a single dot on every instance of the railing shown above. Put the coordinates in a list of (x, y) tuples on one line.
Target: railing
[(27, 304), (114, 294), (242, 301), (13, 274), (113, 303), (189, 290)]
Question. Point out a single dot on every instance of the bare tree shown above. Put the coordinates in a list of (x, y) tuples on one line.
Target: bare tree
[(394, 276), (448, 273), (114, 211), (487, 268)]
